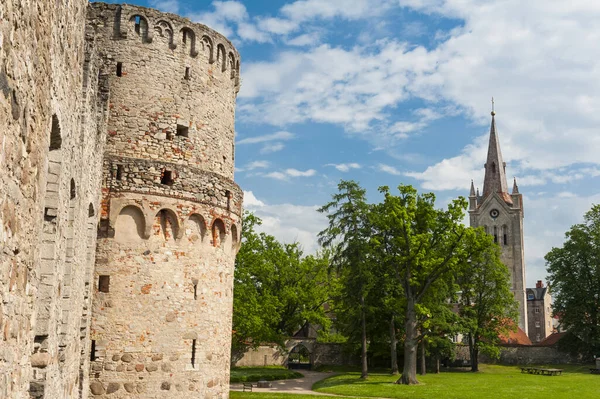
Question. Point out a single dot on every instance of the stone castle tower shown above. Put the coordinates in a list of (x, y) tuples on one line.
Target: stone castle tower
[(170, 211), (119, 216), (501, 215)]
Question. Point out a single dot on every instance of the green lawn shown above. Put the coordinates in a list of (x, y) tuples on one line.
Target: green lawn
[(251, 374), (491, 382)]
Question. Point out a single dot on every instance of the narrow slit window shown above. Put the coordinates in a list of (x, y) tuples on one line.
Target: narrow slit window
[(186, 76), (73, 189), (138, 20), (495, 235), (182, 131), (167, 178), (505, 239), (195, 291), (193, 353), (93, 351), (119, 172), (55, 138), (103, 283), (119, 69), (228, 195)]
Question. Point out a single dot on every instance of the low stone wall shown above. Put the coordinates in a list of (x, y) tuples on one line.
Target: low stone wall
[(522, 354), (321, 354)]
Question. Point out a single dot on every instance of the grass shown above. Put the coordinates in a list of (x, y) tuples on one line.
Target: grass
[(269, 373), (492, 381)]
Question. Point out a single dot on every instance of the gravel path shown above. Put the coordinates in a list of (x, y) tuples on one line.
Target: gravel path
[(298, 385)]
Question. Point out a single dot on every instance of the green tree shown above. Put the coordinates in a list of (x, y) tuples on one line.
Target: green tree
[(574, 275), (426, 244), (277, 290), (348, 236), (487, 307)]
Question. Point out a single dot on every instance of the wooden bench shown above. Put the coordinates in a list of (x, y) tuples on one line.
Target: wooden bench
[(246, 385), (542, 371)]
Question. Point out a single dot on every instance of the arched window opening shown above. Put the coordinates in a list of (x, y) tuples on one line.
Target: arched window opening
[(130, 224), (91, 211), (55, 137), (195, 228), (188, 37), (165, 31), (505, 235), (167, 178), (218, 232), (207, 47), (299, 357), (495, 235), (221, 57), (140, 26), (73, 190), (231, 61)]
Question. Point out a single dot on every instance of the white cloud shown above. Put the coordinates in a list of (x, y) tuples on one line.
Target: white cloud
[(282, 135), (290, 172), (277, 26), (270, 148), (345, 167), (288, 222), (224, 15), (389, 169), (305, 39), (300, 173), (303, 10), (257, 165), (249, 32)]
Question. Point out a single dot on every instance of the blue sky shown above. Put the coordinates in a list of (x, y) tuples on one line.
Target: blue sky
[(398, 91)]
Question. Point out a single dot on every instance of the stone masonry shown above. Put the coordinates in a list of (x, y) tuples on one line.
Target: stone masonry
[(119, 217)]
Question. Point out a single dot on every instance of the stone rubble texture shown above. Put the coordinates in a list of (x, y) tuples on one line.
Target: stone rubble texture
[(128, 178)]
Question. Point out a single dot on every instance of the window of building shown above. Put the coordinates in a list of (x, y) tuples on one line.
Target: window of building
[(103, 283), (55, 138), (167, 178), (530, 297), (495, 235), (537, 338), (119, 172), (186, 76), (119, 69), (182, 130), (537, 324), (193, 353), (537, 310)]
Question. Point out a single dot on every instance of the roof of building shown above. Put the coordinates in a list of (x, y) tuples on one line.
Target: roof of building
[(552, 339), (515, 338), (538, 293), (495, 174)]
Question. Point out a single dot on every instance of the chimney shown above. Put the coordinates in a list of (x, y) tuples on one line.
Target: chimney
[(539, 284)]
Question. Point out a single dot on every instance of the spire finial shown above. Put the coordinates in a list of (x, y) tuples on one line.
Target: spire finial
[(515, 187), (472, 192), (493, 112)]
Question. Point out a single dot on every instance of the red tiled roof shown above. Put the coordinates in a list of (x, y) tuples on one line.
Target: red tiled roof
[(552, 339), (515, 338)]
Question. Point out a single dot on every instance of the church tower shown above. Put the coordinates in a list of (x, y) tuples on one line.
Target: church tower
[(501, 215)]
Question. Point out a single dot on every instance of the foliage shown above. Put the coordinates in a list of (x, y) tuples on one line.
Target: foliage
[(493, 381), (574, 274), (277, 290), (487, 306), (423, 245), (347, 235), (251, 374)]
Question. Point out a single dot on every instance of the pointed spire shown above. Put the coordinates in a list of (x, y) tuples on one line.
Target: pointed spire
[(515, 187), (495, 175), (478, 192), (472, 193)]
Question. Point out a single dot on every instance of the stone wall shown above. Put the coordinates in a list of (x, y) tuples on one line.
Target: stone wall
[(521, 355), (171, 212), (52, 110)]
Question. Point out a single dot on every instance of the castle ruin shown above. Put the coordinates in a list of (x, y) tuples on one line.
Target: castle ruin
[(119, 216)]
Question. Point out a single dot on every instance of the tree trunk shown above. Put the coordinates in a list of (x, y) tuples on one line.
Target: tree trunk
[(409, 373), (363, 356), (393, 345), (473, 353), (437, 364), (423, 365)]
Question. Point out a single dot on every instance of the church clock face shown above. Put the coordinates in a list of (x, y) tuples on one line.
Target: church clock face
[(494, 213)]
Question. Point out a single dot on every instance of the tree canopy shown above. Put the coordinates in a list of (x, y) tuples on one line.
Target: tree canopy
[(574, 276)]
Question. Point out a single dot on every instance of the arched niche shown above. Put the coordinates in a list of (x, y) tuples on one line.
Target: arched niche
[(55, 134), (195, 228), (231, 62), (130, 224), (218, 233), (234, 237), (221, 57), (207, 47), (188, 39), (165, 225), (73, 189), (165, 32)]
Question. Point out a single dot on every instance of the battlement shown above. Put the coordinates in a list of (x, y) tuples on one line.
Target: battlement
[(146, 25)]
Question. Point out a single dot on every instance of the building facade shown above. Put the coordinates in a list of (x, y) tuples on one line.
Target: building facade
[(119, 216), (500, 213), (539, 312)]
